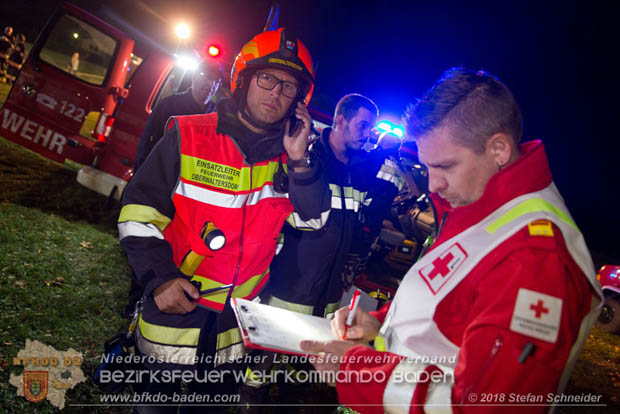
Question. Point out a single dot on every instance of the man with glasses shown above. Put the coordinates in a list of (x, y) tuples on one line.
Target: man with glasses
[(242, 172)]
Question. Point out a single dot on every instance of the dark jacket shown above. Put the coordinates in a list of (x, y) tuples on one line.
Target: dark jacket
[(308, 269), (179, 104)]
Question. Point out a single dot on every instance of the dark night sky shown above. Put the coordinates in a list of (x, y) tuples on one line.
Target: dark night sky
[(555, 56)]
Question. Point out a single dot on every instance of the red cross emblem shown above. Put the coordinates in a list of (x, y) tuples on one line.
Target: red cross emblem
[(539, 309), (444, 265), (441, 266)]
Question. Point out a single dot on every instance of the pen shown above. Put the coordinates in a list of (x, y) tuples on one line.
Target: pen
[(208, 291), (355, 301)]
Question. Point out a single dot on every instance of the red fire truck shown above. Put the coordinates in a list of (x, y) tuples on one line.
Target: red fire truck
[(84, 93)]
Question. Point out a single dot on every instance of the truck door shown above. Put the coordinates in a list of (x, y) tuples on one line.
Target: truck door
[(77, 66)]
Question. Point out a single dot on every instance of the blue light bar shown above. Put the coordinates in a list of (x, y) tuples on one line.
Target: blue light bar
[(387, 126)]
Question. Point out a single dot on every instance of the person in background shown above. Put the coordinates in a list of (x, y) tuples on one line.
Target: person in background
[(206, 80), (16, 58)]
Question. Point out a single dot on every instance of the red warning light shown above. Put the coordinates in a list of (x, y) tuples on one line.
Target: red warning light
[(214, 51)]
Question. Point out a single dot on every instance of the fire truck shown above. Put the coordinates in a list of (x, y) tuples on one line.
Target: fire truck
[(84, 93)]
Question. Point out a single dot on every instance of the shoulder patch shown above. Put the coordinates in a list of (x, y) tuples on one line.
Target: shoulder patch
[(540, 228), (537, 315)]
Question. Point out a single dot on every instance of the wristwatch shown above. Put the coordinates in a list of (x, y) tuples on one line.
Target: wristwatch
[(305, 162)]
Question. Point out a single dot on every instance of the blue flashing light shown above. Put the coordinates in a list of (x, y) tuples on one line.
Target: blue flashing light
[(384, 126), (398, 131), (389, 127)]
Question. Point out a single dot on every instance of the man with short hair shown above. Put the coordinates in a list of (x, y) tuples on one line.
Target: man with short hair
[(501, 304), (307, 273), (201, 217)]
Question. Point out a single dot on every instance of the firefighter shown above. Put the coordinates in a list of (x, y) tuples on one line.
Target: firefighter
[(507, 291), (16, 58), (6, 46), (242, 170)]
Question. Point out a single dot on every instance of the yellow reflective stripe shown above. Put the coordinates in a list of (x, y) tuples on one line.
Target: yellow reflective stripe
[(228, 338), (183, 355), (295, 307), (331, 308), (224, 176), (253, 379), (240, 291), (335, 190), (169, 335), (380, 344), (350, 193), (529, 206), (191, 263), (143, 214)]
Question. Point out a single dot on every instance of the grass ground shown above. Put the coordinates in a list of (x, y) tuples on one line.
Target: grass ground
[(63, 282)]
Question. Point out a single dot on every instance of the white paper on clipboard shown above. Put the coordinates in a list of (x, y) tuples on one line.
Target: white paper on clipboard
[(279, 330)]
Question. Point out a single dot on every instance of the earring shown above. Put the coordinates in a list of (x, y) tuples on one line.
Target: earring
[(499, 166)]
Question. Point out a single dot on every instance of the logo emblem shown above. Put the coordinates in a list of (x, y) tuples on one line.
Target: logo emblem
[(35, 385), (437, 273), (537, 315), (290, 44)]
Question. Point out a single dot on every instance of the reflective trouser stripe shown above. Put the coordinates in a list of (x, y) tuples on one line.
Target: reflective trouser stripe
[(229, 346), (295, 307), (331, 308), (182, 355), (143, 214), (252, 379), (168, 335)]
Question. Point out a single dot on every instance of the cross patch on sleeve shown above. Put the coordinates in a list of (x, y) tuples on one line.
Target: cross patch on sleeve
[(537, 315)]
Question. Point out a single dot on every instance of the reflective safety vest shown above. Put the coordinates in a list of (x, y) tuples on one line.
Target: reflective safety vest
[(216, 187), (409, 328)]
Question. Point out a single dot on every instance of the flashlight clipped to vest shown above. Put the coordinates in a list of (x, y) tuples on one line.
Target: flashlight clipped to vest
[(213, 237)]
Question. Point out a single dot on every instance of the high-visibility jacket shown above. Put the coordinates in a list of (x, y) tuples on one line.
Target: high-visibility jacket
[(212, 185), (499, 307)]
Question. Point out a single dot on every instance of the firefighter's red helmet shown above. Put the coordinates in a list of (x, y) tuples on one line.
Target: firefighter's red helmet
[(277, 49)]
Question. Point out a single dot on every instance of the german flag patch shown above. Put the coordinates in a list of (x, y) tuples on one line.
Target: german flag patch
[(540, 228)]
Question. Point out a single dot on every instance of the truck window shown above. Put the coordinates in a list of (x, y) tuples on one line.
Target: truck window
[(172, 84), (134, 63), (79, 49)]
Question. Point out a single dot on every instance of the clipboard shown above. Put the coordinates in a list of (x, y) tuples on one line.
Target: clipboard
[(278, 330)]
